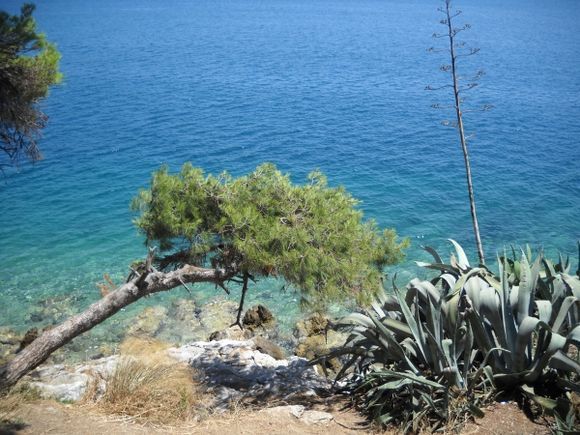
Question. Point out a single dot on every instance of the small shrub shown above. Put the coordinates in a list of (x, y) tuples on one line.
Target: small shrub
[(147, 385)]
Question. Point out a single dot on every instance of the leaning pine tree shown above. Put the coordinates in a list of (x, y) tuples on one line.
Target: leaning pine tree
[(223, 230)]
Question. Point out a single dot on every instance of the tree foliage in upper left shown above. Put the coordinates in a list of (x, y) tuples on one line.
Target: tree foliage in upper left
[(28, 67)]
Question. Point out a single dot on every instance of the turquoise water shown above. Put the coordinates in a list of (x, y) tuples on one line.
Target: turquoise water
[(336, 85)]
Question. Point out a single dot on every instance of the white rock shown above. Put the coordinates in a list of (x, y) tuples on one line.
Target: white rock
[(235, 369), (316, 417), (287, 410)]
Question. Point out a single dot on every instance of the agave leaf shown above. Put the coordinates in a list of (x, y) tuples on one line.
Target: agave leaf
[(391, 344), (421, 380), (528, 252), (415, 328), (434, 319), (574, 336), (395, 385), (385, 419), (389, 302), (567, 303), (450, 311), (573, 283), (356, 319), (492, 281), (450, 280), (346, 366), (441, 267), (475, 286), (514, 297), (540, 400), (446, 344), (566, 384), (461, 257), (425, 289), (436, 355), (399, 328), (489, 375), (476, 410), (535, 269), (509, 325), (378, 309), (549, 344), (564, 264), (480, 335), (527, 327), (492, 309), (468, 346), (561, 361), (544, 310), (549, 268), (411, 346), (464, 277), (526, 288), (434, 253)]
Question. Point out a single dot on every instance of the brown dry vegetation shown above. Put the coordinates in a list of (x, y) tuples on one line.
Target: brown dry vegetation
[(147, 385)]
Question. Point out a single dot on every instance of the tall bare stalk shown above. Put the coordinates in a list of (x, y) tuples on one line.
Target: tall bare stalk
[(451, 33)]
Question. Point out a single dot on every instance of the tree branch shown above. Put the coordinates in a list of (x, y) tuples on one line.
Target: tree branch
[(147, 283)]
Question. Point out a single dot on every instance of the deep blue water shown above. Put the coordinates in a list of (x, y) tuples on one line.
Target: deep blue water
[(330, 84)]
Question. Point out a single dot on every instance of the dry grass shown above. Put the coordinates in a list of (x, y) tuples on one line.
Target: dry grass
[(8, 404), (148, 385), (11, 402)]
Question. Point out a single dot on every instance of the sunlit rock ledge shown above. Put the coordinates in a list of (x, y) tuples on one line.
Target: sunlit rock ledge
[(229, 370)]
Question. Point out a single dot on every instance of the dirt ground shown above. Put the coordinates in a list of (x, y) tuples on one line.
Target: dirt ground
[(50, 417)]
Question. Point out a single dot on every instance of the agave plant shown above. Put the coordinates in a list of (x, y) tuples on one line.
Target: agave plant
[(447, 344)]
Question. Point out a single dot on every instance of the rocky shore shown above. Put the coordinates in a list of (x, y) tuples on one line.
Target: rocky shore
[(246, 366)]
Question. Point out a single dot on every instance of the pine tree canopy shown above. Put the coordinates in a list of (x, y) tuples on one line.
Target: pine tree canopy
[(262, 224), (28, 67)]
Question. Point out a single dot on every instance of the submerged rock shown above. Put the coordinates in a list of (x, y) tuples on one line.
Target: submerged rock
[(258, 316), (9, 343), (217, 316), (316, 339), (314, 325), (149, 322)]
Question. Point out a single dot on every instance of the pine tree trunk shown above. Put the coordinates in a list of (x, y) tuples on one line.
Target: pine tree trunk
[(153, 282)]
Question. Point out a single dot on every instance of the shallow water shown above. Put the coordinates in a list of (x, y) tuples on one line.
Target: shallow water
[(336, 85)]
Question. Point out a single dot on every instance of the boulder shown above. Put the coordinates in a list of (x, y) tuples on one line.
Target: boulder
[(269, 348), (231, 333), (258, 316), (314, 325), (149, 322), (69, 384), (316, 339), (238, 371), (9, 343), (217, 316)]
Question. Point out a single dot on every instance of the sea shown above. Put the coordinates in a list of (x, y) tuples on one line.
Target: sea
[(335, 85)]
